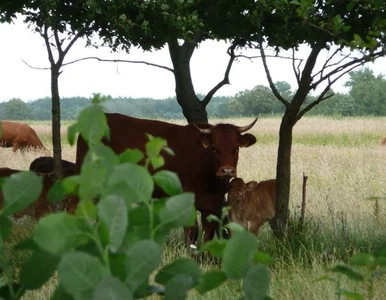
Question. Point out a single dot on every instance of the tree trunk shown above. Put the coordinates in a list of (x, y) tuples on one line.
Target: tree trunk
[(283, 176), (56, 139), (192, 107)]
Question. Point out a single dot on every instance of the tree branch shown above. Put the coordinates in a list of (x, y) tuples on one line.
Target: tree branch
[(232, 56), (270, 81), (326, 89), (296, 69), (358, 61), (120, 60)]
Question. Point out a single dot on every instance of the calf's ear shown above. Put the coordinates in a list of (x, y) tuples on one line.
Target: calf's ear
[(247, 140), (251, 185)]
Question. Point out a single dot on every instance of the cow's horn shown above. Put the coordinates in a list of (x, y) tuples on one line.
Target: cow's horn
[(247, 127), (204, 130)]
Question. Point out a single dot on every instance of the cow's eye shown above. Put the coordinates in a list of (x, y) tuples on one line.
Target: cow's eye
[(236, 150), (215, 150)]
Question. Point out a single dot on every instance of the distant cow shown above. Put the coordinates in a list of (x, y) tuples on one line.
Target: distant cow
[(41, 206), (18, 136), (205, 158), (45, 164), (252, 203), (383, 142)]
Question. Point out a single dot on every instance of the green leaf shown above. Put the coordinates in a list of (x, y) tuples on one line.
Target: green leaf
[(235, 227), (142, 259), (134, 182), (86, 210), (92, 124), (101, 155), (168, 181), (38, 269), (345, 270), (154, 146), (133, 156), (180, 266), (157, 161), (263, 258), (176, 288), (5, 292), (211, 280), (113, 289), (71, 133), (177, 210), (363, 259), (5, 228), (237, 259), (59, 233), (16, 198), (112, 211), (256, 283), (61, 294), (90, 189), (62, 188), (215, 247), (80, 273)]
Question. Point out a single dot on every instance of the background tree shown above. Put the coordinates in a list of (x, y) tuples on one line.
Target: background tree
[(368, 91), (16, 109), (349, 33)]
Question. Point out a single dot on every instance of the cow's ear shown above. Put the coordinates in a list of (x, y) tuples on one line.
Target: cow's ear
[(205, 140), (247, 140), (251, 185)]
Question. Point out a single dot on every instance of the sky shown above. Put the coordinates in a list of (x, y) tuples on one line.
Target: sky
[(208, 64)]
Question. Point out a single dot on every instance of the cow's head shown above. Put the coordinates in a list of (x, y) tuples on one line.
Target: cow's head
[(238, 189), (225, 140)]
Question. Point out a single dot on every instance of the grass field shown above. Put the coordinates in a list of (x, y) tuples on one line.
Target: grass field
[(345, 165)]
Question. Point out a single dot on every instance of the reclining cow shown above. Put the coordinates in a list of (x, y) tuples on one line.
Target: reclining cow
[(252, 203), (41, 206), (45, 164), (19, 136), (205, 158)]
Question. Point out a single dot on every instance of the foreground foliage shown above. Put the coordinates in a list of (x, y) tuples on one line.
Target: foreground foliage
[(110, 249)]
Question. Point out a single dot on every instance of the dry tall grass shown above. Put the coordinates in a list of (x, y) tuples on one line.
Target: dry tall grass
[(345, 165)]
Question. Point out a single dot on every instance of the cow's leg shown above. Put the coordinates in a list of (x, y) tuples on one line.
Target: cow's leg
[(191, 234), (208, 228)]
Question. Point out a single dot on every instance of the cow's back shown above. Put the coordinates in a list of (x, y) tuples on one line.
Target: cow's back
[(191, 161)]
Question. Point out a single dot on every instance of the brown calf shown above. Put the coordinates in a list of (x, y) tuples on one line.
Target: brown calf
[(42, 206), (252, 203)]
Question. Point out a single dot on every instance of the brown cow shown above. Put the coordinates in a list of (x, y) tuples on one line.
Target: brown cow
[(45, 164), (205, 157), (252, 203), (19, 136), (383, 142), (42, 206)]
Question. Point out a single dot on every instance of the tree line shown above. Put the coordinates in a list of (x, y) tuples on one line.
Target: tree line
[(367, 97)]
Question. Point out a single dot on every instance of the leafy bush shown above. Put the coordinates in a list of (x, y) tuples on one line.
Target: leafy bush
[(110, 248)]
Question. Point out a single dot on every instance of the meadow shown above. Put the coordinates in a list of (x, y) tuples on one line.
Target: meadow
[(346, 169)]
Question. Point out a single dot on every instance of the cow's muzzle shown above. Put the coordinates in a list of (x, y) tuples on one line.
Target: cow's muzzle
[(226, 172)]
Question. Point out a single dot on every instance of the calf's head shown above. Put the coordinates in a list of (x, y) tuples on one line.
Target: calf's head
[(225, 140), (238, 190)]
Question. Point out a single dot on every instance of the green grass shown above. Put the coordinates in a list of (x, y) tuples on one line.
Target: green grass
[(345, 165)]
